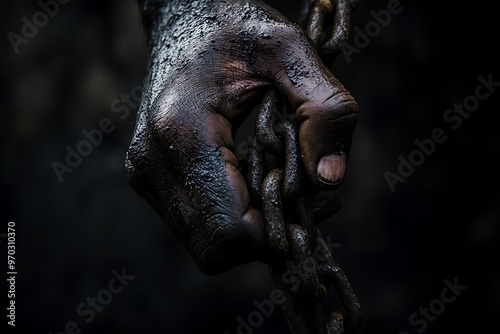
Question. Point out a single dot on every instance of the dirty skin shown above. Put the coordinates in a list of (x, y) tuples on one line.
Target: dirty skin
[(211, 61)]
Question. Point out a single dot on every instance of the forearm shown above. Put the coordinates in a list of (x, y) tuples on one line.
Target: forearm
[(152, 10)]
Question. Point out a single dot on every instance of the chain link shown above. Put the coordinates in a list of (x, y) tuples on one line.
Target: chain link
[(296, 237), (291, 224)]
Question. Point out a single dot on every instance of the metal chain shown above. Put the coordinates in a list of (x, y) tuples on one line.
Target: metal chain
[(290, 223)]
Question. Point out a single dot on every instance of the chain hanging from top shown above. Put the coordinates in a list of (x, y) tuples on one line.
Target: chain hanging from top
[(291, 226)]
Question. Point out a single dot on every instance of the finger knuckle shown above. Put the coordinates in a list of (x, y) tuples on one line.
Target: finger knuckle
[(212, 249)]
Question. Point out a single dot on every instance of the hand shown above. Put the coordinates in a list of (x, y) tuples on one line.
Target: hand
[(210, 64)]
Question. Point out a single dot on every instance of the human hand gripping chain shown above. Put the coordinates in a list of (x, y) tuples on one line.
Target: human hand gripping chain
[(211, 63)]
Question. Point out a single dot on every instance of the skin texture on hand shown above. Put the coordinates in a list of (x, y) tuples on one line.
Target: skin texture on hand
[(213, 60)]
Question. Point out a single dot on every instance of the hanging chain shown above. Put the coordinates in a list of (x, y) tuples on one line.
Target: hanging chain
[(291, 224)]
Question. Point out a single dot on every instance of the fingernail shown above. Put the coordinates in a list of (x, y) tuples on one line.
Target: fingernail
[(331, 168)]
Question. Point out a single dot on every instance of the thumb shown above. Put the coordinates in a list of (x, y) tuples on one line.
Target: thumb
[(327, 112)]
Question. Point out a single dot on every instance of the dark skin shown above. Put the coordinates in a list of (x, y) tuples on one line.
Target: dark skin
[(212, 61)]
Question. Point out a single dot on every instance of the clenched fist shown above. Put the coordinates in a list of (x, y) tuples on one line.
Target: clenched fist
[(213, 60)]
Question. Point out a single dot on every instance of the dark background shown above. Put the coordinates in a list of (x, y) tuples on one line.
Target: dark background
[(397, 248)]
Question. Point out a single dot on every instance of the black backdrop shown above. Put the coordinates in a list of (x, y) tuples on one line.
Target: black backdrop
[(397, 247)]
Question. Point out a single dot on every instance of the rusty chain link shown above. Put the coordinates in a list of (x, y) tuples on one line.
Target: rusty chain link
[(291, 224)]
